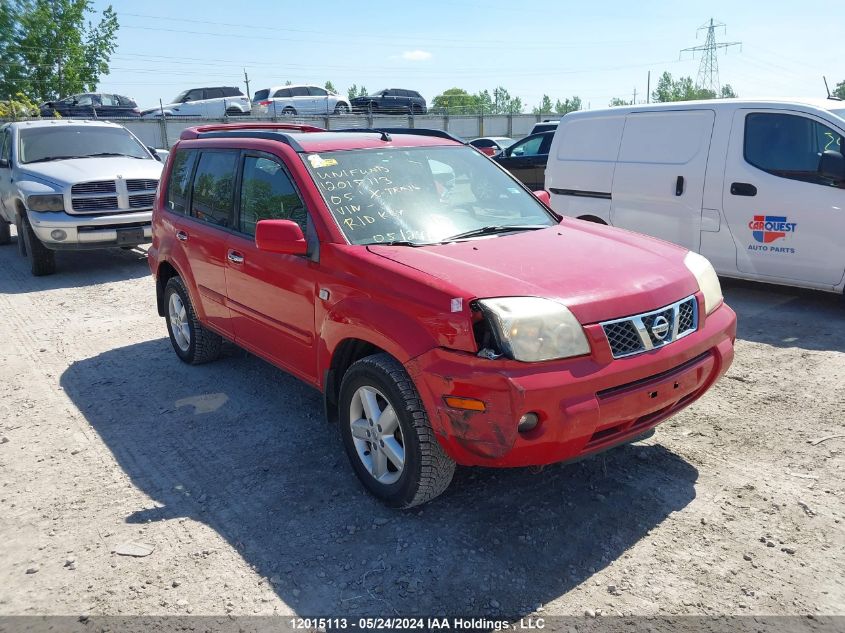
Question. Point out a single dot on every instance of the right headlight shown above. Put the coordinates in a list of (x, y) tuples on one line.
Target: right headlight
[(708, 281), (49, 202), (532, 329)]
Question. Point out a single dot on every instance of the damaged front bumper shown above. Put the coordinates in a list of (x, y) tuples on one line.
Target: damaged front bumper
[(585, 404)]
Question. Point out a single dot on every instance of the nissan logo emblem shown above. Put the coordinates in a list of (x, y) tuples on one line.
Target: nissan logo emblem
[(660, 328)]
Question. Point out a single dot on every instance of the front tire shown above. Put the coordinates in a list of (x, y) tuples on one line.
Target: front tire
[(387, 435), (192, 342), (42, 261), (341, 108), (5, 232)]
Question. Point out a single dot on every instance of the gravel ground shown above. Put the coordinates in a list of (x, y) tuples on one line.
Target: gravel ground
[(229, 474)]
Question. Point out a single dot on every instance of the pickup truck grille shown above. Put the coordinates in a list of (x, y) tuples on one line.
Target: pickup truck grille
[(102, 203), (126, 195), (97, 186), (650, 330)]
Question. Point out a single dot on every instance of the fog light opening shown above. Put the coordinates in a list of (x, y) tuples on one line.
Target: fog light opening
[(58, 235), (528, 422)]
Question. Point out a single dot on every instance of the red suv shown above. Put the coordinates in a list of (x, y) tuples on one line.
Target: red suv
[(445, 312)]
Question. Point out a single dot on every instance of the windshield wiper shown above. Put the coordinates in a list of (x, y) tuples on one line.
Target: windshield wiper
[(111, 154), (499, 228), (47, 159), (402, 243)]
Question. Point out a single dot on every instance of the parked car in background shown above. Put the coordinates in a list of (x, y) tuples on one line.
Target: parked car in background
[(545, 126), (72, 185), (391, 100), (526, 159), (92, 105), (301, 99), (491, 145), (447, 316), (758, 187), (213, 103)]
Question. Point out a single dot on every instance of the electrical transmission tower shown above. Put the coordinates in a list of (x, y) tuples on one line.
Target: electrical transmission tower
[(708, 70)]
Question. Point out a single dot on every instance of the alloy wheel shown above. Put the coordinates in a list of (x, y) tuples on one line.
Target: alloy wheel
[(377, 435)]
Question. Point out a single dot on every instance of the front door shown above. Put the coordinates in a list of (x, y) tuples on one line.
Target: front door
[(658, 184), (527, 159), (786, 220), (271, 295)]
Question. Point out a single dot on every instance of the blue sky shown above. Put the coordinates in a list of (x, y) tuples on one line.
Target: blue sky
[(596, 50)]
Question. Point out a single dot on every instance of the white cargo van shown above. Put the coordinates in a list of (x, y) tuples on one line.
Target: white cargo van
[(758, 187)]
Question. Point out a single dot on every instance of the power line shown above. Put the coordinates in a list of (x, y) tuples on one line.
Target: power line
[(708, 70)]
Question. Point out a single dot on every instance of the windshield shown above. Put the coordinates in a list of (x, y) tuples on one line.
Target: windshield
[(178, 98), (839, 112), (80, 141), (420, 194)]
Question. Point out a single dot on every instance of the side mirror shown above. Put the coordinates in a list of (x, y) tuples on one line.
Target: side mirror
[(280, 236), (832, 165), (154, 153), (544, 197)]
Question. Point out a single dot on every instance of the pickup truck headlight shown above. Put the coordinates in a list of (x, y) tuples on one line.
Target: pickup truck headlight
[(532, 329), (708, 281), (50, 202)]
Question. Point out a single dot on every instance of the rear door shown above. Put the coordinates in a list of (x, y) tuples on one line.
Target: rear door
[(786, 220), (658, 183), (526, 159), (271, 295), (204, 231)]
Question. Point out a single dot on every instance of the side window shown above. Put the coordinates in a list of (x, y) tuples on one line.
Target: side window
[(788, 145), (301, 91), (232, 92), (268, 194), (260, 95), (214, 93), (284, 93), (530, 147), (193, 95), (317, 92), (5, 145), (108, 100), (212, 192), (180, 178), (84, 100)]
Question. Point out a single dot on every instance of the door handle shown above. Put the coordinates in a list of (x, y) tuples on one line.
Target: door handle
[(235, 257), (181, 236), (679, 186), (743, 189)]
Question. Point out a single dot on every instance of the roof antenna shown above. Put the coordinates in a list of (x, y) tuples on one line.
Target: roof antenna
[(826, 86)]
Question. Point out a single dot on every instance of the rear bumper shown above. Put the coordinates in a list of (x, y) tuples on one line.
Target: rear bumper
[(84, 232), (585, 405)]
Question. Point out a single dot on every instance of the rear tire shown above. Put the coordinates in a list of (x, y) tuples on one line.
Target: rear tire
[(192, 342), (341, 108), (42, 261), (289, 111), (5, 232), (392, 449)]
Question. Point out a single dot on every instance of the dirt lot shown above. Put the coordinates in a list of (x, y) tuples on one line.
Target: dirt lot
[(230, 473)]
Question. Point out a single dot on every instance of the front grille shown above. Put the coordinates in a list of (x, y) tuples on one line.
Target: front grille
[(103, 203), (650, 330), (142, 201), (97, 186), (141, 185)]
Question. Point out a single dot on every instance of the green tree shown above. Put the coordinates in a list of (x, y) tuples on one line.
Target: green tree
[(456, 101), (727, 92), (545, 106), (51, 48), (616, 101), (568, 105), (839, 91), (683, 89), (330, 87), (504, 103)]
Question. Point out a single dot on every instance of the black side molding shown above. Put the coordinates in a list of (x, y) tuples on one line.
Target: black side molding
[(580, 193)]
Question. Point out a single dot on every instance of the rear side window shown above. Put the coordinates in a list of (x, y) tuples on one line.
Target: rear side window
[(108, 100), (283, 93), (180, 178), (232, 92), (788, 145), (261, 95), (5, 145), (267, 193), (212, 193), (301, 91), (214, 93), (666, 138), (317, 92)]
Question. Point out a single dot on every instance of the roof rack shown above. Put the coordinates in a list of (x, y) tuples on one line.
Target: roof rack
[(195, 132), (414, 131), (287, 139)]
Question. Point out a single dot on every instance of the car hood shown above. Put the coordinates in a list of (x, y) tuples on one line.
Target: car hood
[(68, 172), (599, 272)]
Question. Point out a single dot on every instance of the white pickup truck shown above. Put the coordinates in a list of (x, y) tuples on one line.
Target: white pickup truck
[(757, 187), (72, 185)]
